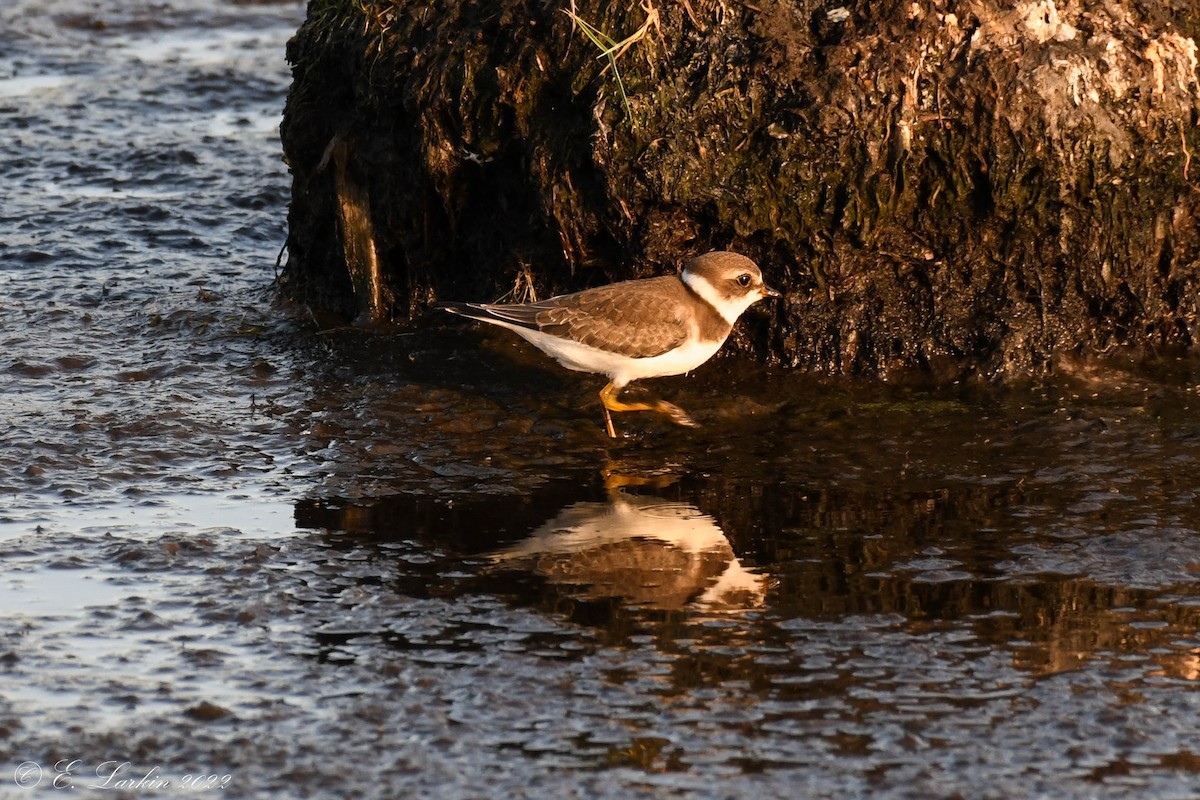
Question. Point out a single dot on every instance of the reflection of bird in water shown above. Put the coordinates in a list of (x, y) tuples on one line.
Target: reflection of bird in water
[(644, 549)]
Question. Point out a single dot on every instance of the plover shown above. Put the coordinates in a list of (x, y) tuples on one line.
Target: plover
[(637, 329)]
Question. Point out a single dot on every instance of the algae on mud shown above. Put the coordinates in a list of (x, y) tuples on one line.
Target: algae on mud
[(951, 188)]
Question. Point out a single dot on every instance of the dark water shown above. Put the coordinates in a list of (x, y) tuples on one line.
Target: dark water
[(291, 563)]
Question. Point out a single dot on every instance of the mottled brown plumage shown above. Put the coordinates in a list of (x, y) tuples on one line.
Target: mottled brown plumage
[(637, 319)]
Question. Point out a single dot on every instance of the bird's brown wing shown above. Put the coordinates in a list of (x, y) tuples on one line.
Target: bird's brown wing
[(639, 319)]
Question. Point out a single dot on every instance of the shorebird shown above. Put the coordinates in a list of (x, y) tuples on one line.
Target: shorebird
[(637, 329)]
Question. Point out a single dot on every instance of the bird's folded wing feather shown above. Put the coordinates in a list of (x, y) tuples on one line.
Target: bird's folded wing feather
[(639, 319)]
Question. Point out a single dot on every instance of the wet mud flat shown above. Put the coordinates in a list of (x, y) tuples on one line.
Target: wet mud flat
[(244, 555), (842, 590)]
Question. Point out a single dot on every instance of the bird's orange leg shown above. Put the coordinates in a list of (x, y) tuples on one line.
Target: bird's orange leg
[(608, 397)]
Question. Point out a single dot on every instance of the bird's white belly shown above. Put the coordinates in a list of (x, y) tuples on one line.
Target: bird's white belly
[(621, 369)]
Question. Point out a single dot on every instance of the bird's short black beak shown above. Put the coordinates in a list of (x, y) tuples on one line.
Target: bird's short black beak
[(767, 291)]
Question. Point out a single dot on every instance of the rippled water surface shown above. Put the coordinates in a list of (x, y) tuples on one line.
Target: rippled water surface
[(302, 563)]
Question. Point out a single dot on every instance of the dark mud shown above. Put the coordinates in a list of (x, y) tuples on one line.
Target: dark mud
[(947, 189), (268, 560)]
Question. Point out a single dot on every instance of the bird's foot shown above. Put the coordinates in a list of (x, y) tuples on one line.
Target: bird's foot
[(608, 397), (677, 414)]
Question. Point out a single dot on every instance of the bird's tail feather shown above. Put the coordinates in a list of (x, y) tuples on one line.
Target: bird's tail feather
[(514, 316), (462, 309)]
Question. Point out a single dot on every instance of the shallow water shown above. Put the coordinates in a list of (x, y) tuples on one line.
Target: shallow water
[(388, 563)]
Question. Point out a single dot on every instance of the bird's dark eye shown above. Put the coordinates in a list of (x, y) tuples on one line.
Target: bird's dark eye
[(743, 280)]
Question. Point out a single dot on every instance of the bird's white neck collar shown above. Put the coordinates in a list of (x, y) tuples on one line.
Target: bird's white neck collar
[(709, 293)]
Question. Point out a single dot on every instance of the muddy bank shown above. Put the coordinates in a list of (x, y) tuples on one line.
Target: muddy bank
[(952, 188)]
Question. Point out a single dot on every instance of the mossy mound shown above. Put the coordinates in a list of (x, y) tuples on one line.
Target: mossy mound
[(957, 188)]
